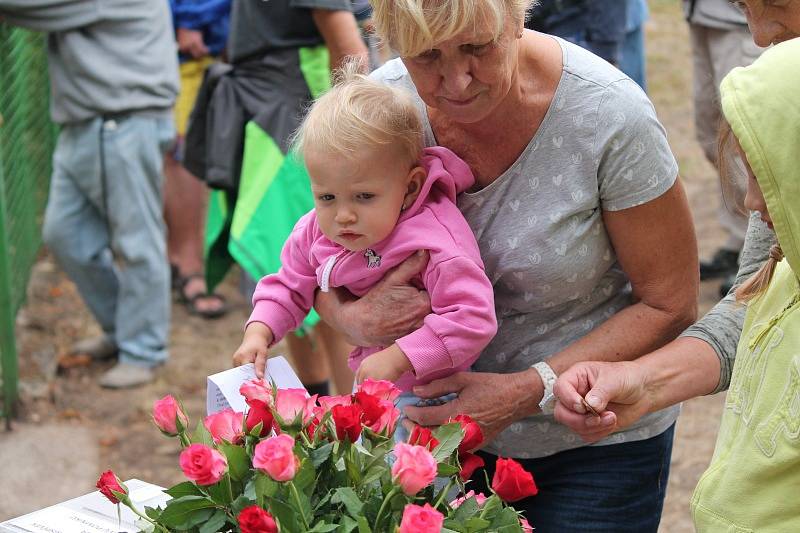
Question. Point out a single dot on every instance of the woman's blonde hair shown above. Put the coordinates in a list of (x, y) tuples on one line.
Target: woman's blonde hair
[(359, 113), (756, 284), (411, 27)]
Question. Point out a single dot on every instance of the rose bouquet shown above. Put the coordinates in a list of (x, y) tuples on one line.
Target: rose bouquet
[(294, 463)]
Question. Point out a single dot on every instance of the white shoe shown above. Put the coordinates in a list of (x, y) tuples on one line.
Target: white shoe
[(126, 375)]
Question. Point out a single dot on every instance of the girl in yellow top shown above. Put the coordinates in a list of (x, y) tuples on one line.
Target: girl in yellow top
[(754, 477)]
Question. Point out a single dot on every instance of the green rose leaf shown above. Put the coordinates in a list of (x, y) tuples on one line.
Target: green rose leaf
[(238, 461), (449, 437), (351, 501), (321, 454), (178, 510), (446, 470), (187, 488), (214, 523)]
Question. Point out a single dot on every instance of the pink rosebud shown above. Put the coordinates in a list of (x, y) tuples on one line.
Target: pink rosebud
[(329, 402), (226, 425), (480, 499), (418, 519), (275, 456), (293, 403), (380, 388), (202, 464), (526, 527), (386, 423), (110, 482), (168, 416), (257, 389), (414, 467)]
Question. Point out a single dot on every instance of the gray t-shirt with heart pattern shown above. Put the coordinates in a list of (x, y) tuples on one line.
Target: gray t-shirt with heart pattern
[(541, 234)]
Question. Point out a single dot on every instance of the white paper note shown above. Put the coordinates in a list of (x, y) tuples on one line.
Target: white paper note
[(90, 513), (223, 388)]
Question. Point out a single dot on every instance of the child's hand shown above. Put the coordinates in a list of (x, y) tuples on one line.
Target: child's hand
[(388, 364), (257, 338)]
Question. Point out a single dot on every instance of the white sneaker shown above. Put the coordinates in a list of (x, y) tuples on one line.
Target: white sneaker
[(126, 375)]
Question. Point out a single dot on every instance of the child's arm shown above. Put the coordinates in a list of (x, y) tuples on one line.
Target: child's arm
[(461, 325), (462, 321), (281, 301), (389, 364)]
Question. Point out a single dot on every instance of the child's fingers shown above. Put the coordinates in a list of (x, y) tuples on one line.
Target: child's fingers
[(242, 358), (261, 364)]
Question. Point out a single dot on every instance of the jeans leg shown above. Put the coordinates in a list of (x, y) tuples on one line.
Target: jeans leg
[(615, 488), (133, 149), (632, 61), (75, 229)]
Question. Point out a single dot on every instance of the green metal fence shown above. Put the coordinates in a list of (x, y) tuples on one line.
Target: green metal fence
[(27, 138)]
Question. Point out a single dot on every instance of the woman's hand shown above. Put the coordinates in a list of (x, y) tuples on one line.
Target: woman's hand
[(494, 401), (617, 391), (391, 309)]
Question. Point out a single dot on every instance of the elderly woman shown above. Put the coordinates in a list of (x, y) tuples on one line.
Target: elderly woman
[(585, 232)]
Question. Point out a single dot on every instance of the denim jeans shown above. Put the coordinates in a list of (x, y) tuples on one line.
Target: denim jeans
[(616, 488), (104, 225)]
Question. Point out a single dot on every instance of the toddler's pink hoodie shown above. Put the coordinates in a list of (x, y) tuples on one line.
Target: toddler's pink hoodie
[(462, 319)]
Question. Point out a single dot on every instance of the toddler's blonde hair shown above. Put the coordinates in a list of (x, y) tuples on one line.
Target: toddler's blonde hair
[(358, 113), (412, 27)]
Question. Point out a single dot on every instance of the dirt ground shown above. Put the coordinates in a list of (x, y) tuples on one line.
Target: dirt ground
[(118, 422)]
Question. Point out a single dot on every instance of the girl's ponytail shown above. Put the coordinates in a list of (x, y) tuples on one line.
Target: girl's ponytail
[(758, 282)]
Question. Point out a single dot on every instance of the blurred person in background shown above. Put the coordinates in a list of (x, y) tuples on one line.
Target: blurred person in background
[(281, 54), (598, 26), (201, 30), (720, 41), (633, 60), (114, 77)]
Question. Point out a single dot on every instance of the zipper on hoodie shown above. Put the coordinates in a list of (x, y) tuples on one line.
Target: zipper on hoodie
[(325, 282), (774, 321)]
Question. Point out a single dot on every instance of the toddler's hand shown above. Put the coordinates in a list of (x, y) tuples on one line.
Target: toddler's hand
[(388, 364), (257, 338)]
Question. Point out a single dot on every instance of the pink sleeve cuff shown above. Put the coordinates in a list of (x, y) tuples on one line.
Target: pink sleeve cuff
[(426, 351), (275, 316)]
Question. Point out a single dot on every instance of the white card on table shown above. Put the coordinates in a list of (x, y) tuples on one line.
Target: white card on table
[(90, 513), (223, 388)]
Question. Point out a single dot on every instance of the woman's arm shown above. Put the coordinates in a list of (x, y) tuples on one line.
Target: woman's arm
[(656, 248), (342, 37), (722, 326), (699, 362), (391, 309)]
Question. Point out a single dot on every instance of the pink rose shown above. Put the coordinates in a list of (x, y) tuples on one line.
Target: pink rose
[(418, 519), (526, 527), (386, 423), (293, 403), (168, 416), (480, 499), (257, 389), (225, 425), (380, 388), (275, 456), (109, 482), (202, 464), (329, 402), (414, 467)]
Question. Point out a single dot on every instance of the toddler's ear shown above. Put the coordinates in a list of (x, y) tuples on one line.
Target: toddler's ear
[(416, 177)]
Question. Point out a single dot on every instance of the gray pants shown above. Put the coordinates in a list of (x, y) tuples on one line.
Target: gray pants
[(104, 224), (716, 52)]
